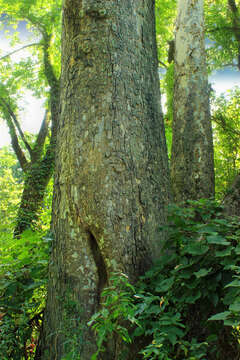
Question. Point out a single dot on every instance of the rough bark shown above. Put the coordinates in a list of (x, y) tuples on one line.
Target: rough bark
[(192, 167), (112, 178)]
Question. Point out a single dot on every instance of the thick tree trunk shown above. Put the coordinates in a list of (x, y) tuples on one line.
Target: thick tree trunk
[(192, 167), (112, 179)]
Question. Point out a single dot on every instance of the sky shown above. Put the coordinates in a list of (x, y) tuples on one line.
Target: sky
[(33, 113), (224, 80)]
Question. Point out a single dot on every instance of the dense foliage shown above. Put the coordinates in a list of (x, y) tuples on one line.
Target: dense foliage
[(23, 277), (188, 304), (222, 29), (10, 188), (225, 116), (23, 269)]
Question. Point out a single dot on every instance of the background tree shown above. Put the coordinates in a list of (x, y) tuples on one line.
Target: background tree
[(223, 30), (10, 188), (43, 18), (112, 181), (165, 17), (225, 116), (192, 168), (226, 144)]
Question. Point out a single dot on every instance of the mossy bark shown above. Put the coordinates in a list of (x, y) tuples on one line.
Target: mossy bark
[(39, 169), (112, 178), (192, 166)]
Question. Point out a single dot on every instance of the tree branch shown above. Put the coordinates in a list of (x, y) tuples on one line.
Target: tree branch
[(162, 63), (22, 48), (40, 141), (226, 65), (14, 140), (13, 116), (220, 28), (48, 68), (54, 90), (219, 119)]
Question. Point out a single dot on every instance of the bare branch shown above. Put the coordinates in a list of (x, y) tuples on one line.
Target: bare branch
[(22, 48)]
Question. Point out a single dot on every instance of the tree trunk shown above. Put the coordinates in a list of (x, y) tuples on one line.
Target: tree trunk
[(38, 175), (112, 176), (231, 201), (37, 179), (40, 169), (192, 166)]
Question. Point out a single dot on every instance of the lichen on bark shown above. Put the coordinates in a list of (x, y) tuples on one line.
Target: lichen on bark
[(192, 167)]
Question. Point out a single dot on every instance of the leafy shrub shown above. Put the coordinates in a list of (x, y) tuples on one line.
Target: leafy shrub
[(189, 302), (116, 307), (23, 276), (10, 188)]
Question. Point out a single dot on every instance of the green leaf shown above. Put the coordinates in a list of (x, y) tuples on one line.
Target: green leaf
[(207, 229), (191, 298), (220, 316), (237, 249), (216, 239), (223, 253), (196, 249), (165, 285), (232, 322), (202, 272), (235, 307), (212, 338), (234, 283)]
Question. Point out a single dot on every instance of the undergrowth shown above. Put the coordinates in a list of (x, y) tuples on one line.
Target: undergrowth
[(188, 304), (23, 277), (186, 307)]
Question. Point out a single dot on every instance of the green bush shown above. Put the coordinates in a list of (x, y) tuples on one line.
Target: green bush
[(188, 304), (23, 277)]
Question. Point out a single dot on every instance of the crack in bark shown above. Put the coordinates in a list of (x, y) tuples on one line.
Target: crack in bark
[(100, 264)]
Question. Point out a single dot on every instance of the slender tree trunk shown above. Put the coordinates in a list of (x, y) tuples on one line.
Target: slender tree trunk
[(37, 179), (38, 175), (40, 168), (112, 176), (231, 201), (192, 167)]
